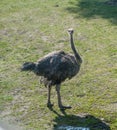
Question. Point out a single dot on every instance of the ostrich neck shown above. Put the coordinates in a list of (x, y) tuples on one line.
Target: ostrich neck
[(77, 56)]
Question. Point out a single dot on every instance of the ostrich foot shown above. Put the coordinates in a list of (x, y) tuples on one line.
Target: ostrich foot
[(65, 107), (50, 105)]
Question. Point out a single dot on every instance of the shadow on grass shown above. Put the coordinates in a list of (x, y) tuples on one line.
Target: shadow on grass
[(94, 9), (73, 122)]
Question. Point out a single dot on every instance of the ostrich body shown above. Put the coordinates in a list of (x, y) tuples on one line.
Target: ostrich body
[(55, 68)]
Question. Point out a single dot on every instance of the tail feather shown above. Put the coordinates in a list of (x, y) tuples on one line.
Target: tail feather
[(28, 66)]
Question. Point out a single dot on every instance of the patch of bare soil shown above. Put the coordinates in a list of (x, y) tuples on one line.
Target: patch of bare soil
[(9, 119), (110, 107), (6, 125)]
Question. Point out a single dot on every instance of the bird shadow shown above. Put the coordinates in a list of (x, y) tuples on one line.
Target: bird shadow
[(94, 9), (66, 121)]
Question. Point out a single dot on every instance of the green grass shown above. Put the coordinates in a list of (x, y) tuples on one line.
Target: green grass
[(29, 30)]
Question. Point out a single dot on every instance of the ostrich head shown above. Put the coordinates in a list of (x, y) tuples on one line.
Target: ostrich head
[(70, 31), (28, 66)]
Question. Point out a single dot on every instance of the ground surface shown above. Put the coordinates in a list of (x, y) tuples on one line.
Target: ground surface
[(29, 30)]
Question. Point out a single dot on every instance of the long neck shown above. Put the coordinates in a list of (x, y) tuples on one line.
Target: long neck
[(77, 56)]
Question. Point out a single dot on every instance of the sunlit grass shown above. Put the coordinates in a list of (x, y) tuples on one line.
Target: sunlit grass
[(29, 30)]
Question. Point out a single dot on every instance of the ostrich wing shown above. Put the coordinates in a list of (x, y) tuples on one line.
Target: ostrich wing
[(45, 65)]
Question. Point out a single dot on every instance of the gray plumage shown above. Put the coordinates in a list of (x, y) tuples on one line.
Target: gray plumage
[(55, 68)]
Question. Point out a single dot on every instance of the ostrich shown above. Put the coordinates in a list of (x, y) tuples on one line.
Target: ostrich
[(54, 68)]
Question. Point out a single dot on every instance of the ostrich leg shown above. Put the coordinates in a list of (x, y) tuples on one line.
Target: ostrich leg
[(49, 95), (59, 99)]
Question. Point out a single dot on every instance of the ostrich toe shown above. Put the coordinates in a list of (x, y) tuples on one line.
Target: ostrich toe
[(65, 107)]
